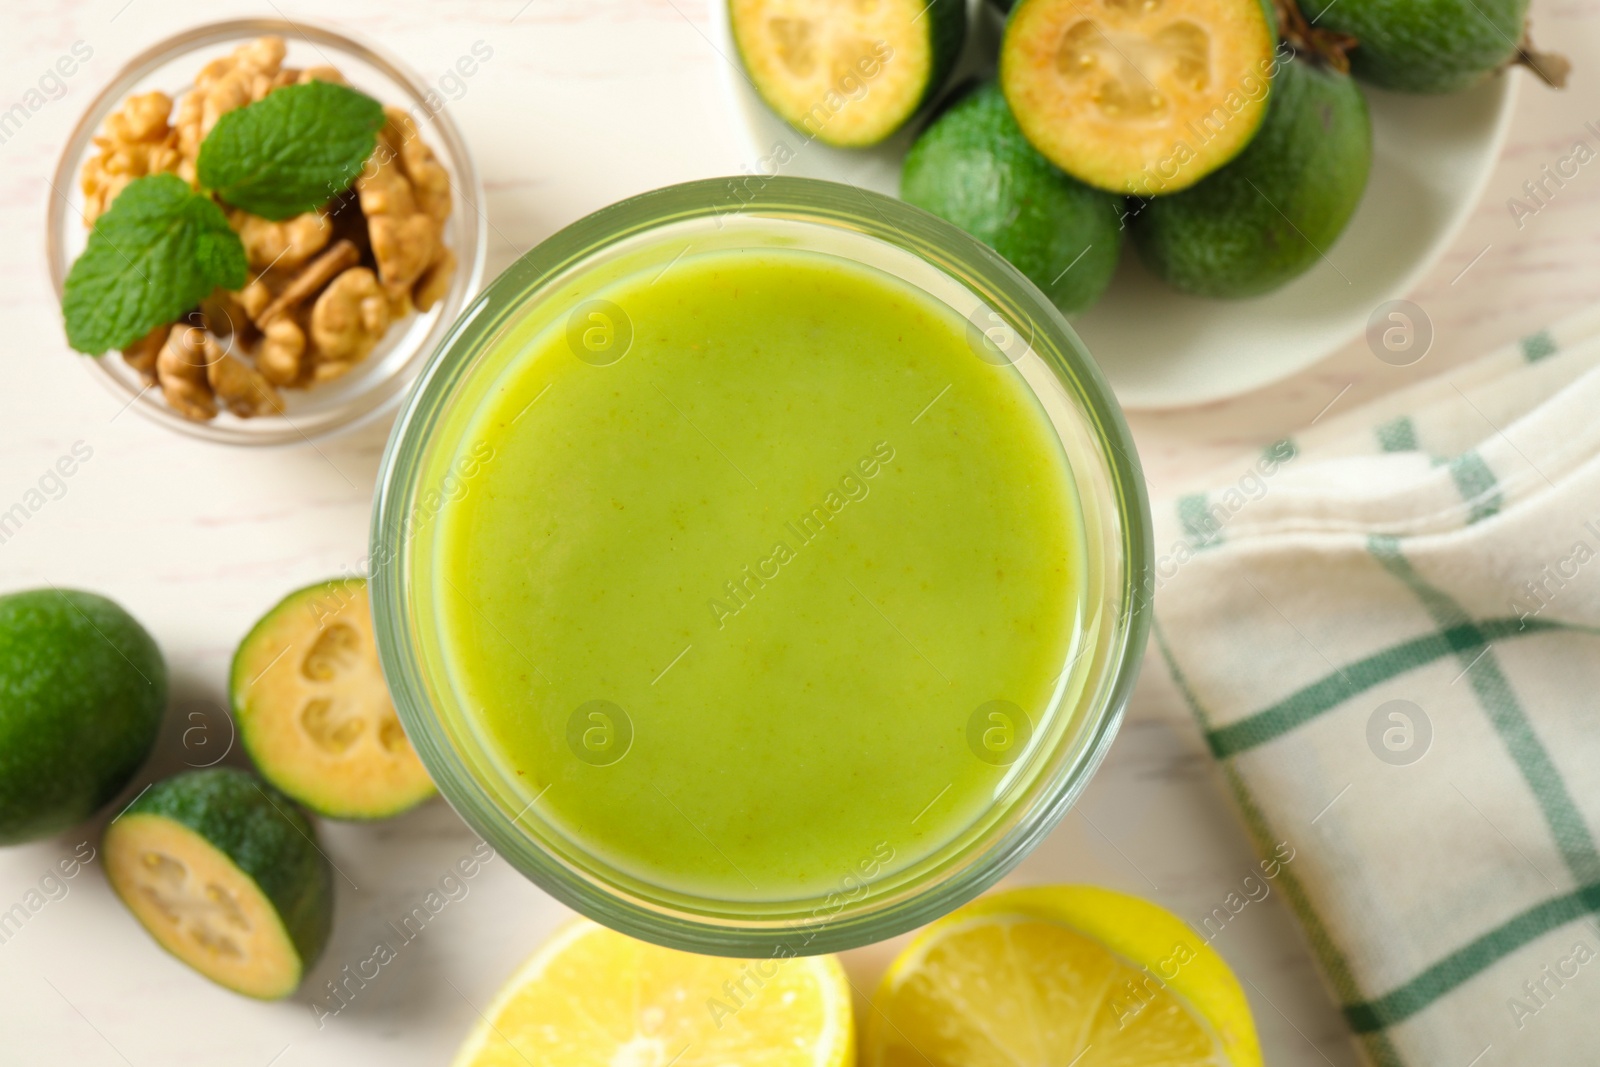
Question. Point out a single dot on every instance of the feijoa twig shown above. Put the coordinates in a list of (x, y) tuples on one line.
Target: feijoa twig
[(1551, 68), (1328, 47)]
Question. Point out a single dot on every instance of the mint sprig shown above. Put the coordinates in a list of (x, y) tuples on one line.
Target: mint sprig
[(161, 248), (291, 151), (158, 251)]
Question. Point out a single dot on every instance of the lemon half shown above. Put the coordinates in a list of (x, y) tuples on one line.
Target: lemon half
[(592, 997), (1056, 976)]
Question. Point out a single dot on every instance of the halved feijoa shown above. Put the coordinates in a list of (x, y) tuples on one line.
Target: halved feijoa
[(314, 712), (1434, 46), (225, 873), (847, 72), (974, 168), (1276, 210), (1139, 96)]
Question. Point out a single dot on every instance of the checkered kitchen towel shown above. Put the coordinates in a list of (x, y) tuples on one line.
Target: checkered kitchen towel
[(1389, 631)]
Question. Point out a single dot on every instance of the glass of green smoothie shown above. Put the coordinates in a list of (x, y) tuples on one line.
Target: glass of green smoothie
[(760, 566)]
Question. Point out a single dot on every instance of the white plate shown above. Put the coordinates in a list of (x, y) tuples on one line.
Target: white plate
[(1432, 156)]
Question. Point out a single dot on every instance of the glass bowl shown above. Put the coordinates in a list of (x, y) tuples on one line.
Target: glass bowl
[(376, 386), (1009, 322)]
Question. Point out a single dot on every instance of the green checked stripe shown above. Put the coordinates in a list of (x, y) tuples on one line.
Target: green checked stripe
[(1470, 641), (1380, 1049), (1537, 346), (1199, 528), (1571, 833), (1329, 692), (1493, 690), (1398, 435), (1477, 485), (1471, 959), (1203, 529)]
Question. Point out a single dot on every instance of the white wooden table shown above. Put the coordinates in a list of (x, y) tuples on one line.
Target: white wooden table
[(582, 103)]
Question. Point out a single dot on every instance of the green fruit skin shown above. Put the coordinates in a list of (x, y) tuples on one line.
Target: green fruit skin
[(265, 835), (1427, 46), (947, 32), (1274, 211), (973, 167), (82, 691)]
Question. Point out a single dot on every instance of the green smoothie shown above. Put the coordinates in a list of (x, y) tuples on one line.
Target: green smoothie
[(735, 596)]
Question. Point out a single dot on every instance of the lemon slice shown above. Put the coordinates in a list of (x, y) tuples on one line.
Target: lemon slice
[(1060, 975), (595, 998)]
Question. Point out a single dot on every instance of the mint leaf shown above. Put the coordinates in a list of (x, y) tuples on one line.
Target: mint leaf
[(291, 151), (159, 250)]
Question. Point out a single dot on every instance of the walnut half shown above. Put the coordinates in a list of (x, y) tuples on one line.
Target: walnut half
[(195, 373), (347, 320), (181, 370), (136, 141)]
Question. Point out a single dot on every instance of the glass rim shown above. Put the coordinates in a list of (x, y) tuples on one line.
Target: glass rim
[(384, 395), (872, 216)]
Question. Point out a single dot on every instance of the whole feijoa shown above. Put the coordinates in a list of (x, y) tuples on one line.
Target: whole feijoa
[(974, 168), (82, 690), (1430, 46), (1276, 210)]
